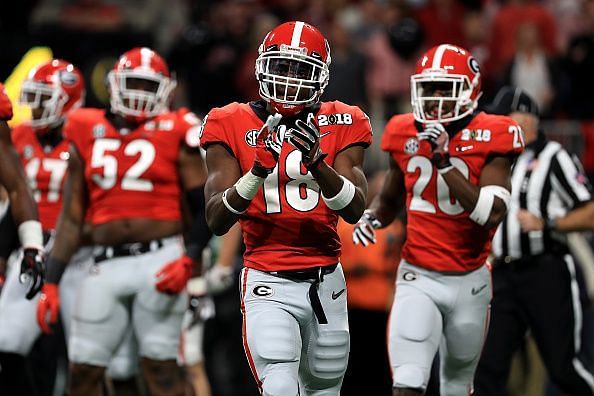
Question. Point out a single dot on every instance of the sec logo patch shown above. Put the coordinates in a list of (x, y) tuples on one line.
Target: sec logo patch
[(251, 137), (411, 146)]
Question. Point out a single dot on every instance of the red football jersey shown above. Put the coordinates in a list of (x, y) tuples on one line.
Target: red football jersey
[(287, 225), (440, 234), (45, 168), (131, 173)]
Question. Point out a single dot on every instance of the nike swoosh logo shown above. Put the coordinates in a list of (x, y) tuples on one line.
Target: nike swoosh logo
[(324, 134), (477, 291), (464, 148), (336, 295)]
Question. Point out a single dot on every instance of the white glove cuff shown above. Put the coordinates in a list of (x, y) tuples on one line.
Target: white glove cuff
[(484, 204), (197, 286), (248, 185), (31, 234), (344, 196)]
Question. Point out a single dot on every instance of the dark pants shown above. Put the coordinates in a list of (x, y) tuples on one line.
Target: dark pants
[(545, 295)]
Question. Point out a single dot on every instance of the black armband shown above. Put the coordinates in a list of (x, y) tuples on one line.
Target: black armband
[(10, 236), (54, 268), (199, 234), (441, 161)]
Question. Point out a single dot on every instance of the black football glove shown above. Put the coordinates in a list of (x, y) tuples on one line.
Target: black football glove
[(32, 271), (306, 138)]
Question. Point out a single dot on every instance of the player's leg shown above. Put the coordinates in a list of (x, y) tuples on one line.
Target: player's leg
[(123, 367), (325, 350), (507, 329), (157, 319), (271, 335), (19, 328), (464, 332), (415, 328), (18, 332), (192, 349), (99, 323), (557, 320)]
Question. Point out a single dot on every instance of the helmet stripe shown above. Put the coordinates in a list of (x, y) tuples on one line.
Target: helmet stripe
[(296, 39), (145, 57), (439, 56)]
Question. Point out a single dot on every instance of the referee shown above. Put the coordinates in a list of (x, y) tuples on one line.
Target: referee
[(535, 279)]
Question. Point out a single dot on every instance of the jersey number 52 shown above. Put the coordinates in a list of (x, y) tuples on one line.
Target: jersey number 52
[(131, 180)]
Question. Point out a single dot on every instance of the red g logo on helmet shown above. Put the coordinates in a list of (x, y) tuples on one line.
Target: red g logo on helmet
[(140, 84), (446, 85), (55, 87), (292, 67)]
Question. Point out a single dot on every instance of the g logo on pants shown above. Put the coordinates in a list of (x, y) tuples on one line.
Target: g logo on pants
[(262, 291)]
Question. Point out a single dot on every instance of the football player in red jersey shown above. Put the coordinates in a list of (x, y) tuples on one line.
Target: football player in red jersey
[(286, 167), (51, 90), (451, 166), (23, 210), (126, 170)]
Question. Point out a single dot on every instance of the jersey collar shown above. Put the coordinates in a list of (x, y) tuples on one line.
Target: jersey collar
[(259, 108), (453, 127)]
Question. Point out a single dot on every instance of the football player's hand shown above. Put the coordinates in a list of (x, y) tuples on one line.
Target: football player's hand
[(173, 277), (48, 307), (32, 271), (435, 134), (364, 232), (268, 146), (200, 305), (219, 278), (306, 138), (5, 105)]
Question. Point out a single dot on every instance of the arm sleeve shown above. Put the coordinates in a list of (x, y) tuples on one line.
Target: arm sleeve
[(507, 138), (388, 142), (570, 180), (10, 237), (214, 131), (200, 234)]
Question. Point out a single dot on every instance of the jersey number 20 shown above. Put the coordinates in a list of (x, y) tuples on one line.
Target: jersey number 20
[(444, 201)]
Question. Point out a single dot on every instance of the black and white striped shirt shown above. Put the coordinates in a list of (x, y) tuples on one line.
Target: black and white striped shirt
[(548, 182)]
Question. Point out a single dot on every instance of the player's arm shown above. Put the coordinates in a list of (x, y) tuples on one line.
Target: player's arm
[(174, 275), (228, 193), (23, 208), (71, 220), (487, 202), (67, 241), (344, 187), (384, 208), (223, 173)]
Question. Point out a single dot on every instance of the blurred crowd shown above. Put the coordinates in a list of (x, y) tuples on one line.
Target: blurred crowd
[(545, 47)]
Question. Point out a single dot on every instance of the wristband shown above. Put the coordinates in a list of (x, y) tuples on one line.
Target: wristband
[(31, 234), (484, 204), (248, 185), (228, 206), (344, 196)]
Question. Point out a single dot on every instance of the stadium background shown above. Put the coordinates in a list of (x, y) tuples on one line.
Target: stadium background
[(546, 47)]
